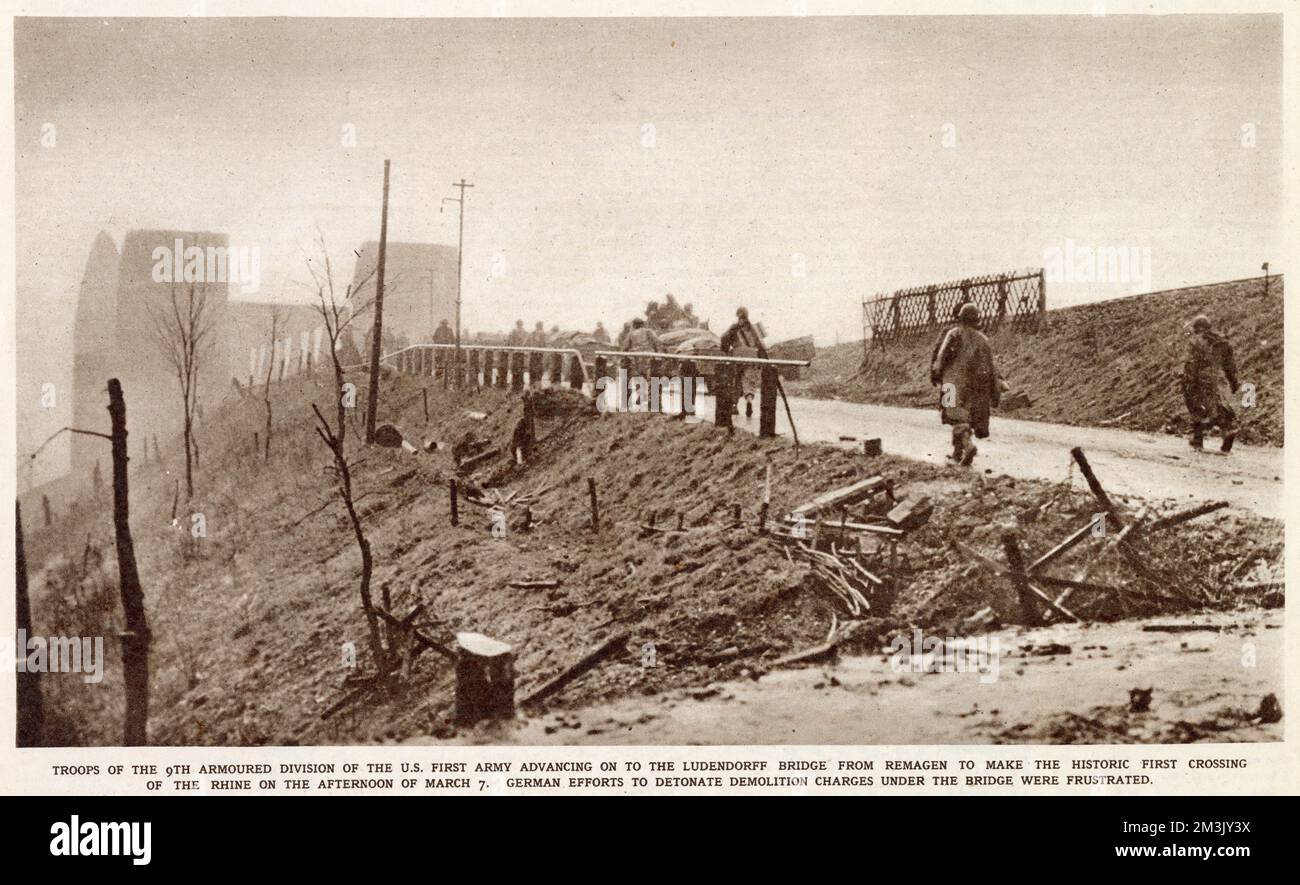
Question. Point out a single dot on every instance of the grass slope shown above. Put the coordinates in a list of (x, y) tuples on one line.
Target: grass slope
[(251, 622), (1111, 363)]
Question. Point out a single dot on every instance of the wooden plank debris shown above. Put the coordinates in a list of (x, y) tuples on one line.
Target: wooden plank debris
[(1094, 484), (842, 497), (1019, 580), (911, 513), (1181, 628), (998, 569), (474, 460), (870, 528), (1064, 547), (614, 645), (1175, 519)]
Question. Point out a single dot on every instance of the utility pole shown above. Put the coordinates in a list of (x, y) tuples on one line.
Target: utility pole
[(460, 261), (372, 401)]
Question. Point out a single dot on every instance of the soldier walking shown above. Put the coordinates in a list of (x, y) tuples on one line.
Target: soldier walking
[(1207, 354), (968, 384), (741, 334)]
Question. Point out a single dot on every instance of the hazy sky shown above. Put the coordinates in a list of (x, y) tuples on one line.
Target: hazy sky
[(616, 160)]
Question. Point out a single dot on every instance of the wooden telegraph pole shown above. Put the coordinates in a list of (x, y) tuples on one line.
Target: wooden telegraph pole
[(373, 399), (460, 261)]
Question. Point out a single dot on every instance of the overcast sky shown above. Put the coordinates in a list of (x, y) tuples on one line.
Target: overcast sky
[(616, 160)]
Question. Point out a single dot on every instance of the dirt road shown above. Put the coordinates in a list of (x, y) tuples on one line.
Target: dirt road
[(1069, 683), (1146, 465)]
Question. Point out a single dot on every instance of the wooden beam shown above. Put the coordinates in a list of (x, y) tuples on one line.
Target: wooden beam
[(841, 497), (1168, 522), (1062, 548), (1093, 483), (998, 569), (608, 648), (860, 527), (1011, 546)]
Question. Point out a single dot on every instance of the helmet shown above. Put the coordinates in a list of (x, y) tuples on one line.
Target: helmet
[(969, 313), (1201, 323), (742, 313)]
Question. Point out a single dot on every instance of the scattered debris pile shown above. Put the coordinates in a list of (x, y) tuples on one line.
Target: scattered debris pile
[(671, 547)]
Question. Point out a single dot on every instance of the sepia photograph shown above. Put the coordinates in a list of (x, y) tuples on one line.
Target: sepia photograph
[(795, 380)]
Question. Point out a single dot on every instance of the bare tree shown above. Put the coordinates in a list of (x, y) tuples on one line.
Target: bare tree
[(136, 637), (337, 315), (183, 327), (277, 318)]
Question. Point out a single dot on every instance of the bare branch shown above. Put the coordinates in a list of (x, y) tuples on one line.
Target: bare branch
[(52, 436)]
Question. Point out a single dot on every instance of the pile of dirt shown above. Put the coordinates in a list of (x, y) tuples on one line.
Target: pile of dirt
[(1110, 364), (258, 622), (562, 402)]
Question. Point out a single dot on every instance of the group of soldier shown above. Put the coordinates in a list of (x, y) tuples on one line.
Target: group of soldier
[(518, 336), (961, 366)]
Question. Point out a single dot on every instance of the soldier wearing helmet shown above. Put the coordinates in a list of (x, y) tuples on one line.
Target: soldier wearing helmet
[(742, 334), (969, 386), (1207, 354)]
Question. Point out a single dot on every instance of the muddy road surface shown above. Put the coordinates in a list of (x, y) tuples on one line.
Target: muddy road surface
[(1210, 678), (1146, 465)]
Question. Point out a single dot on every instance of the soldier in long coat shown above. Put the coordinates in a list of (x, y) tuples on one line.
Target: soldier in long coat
[(1207, 354), (442, 335), (968, 383), (741, 333), (537, 338)]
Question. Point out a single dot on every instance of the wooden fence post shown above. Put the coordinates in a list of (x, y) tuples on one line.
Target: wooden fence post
[(1094, 484), (724, 398), (1042, 297), (135, 639), (767, 402), (485, 678), (517, 363), (1016, 562)]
